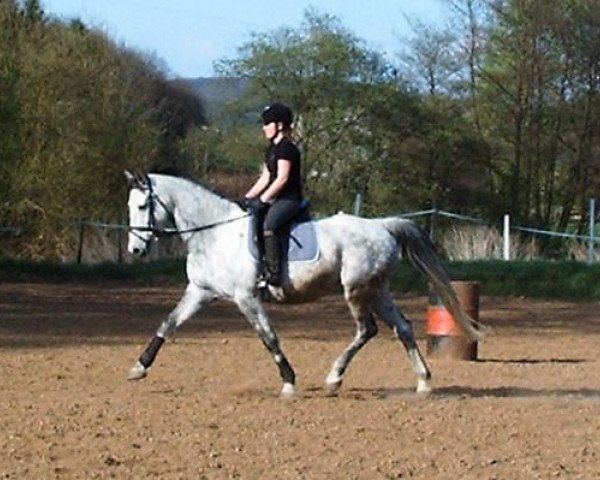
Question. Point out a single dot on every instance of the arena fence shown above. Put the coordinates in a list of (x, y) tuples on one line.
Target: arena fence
[(113, 243), (507, 227)]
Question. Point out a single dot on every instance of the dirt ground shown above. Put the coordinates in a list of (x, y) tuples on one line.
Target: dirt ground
[(528, 408)]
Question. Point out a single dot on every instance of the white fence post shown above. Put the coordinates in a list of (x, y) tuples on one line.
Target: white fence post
[(358, 204), (506, 237)]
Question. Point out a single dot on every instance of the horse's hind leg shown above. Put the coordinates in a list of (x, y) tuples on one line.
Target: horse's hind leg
[(254, 312), (193, 299), (385, 308), (366, 328)]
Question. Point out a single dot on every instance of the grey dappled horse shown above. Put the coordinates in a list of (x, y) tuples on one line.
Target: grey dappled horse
[(355, 252)]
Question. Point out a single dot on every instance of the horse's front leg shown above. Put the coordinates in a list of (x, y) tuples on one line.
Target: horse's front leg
[(252, 308), (193, 299)]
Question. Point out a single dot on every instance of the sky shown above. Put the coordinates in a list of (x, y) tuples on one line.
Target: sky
[(188, 36)]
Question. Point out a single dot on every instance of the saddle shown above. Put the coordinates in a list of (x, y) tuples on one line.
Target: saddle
[(299, 242)]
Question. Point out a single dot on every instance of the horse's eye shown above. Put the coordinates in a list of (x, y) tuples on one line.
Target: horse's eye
[(142, 207)]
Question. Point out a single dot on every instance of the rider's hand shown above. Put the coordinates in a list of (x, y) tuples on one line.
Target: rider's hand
[(241, 202), (255, 204)]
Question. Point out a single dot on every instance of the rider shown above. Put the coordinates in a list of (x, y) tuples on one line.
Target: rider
[(277, 194)]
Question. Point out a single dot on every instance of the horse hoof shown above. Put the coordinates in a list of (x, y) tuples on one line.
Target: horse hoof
[(423, 387), (276, 293), (332, 387), (137, 372), (288, 391)]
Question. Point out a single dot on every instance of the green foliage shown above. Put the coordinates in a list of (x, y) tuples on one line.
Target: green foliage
[(75, 110), (500, 116), (430, 63), (538, 97), (9, 101), (361, 129), (334, 84), (232, 150), (82, 114), (551, 280), (561, 280), (535, 279), (148, 273)]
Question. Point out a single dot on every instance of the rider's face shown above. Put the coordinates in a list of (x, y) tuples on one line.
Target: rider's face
[(270, 130)]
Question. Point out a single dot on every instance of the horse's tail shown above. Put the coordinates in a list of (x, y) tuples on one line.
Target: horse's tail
[(416, 245)]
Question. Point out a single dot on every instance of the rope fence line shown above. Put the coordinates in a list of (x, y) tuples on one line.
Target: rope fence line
[(555, 234), (107, 226), (536, 231), (506, 228)]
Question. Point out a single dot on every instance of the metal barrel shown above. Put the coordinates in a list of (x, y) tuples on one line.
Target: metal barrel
[(444, 338)]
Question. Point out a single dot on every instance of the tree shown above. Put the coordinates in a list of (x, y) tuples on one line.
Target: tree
[(9, 101), (75, 110), (449, 166), (469, 16), (576, 33), (331, 81), (539, 89), (32, 13), (430, 62)]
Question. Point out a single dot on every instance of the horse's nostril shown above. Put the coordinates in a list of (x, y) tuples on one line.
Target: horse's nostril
[(137, 251)]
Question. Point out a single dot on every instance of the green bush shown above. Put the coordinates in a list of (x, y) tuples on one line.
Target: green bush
[(535, 279), (170, 271)]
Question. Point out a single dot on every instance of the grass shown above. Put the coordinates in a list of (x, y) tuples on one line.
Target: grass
[(564, 280), (146, 273), (536, 279)]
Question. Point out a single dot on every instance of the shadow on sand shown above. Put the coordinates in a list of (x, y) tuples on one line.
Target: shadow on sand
[(459, 391), (531, 360)]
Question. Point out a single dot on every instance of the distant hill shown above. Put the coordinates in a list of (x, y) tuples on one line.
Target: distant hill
[(215, 92)]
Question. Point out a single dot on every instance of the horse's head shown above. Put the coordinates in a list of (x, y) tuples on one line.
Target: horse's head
[(147, 213)]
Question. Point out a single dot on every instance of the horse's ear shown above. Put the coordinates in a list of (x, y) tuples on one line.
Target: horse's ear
[(137, 179), (129, 177), (141, 178)]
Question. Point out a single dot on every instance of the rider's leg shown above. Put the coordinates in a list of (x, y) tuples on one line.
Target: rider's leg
[(280, 213), (272, 258)]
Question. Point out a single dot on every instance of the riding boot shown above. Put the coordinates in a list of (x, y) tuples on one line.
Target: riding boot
[(272, 258)]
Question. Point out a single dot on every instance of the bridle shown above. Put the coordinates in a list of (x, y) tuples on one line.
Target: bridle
[(151, 201)]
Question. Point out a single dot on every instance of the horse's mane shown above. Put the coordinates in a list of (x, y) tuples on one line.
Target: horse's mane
[(217, 191), (176, 173)]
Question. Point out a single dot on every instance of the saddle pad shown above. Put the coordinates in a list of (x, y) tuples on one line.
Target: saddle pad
[(302, 242)]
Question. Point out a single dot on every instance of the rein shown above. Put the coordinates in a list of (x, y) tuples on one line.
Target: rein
[(174, 231), (157, 232)]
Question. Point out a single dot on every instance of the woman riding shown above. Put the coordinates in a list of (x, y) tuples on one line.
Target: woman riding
[(276, 197)]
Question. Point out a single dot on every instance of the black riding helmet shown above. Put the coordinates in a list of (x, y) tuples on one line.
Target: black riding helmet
[(278, 112)]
